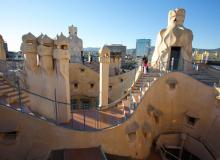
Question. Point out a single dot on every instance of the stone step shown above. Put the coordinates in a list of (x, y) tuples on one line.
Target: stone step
[(208, 83), (11, 93), (3, 82), (120, 106), (4, 86), (209, 80), (196, 73), (25, 101), (126, 102), (143, 80), (12, 99), (138, 83), (151, 75), (135, 87), (2, 79), (204, 76), (148, 78), (128, 97), (135, 91), (5, 90)]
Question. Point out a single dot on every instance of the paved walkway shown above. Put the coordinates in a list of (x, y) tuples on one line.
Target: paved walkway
[(93, 119)]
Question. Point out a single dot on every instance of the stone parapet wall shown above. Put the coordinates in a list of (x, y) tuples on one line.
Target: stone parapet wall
[(85, 76), (162, 109)]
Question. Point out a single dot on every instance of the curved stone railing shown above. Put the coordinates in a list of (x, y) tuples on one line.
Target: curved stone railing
[(84, 112), (143, 113), (13, 83), (114, 104)]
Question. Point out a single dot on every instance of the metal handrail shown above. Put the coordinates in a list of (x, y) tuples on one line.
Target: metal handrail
[(162, 148), (206, 145)]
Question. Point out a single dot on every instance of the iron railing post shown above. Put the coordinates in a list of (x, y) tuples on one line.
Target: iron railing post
[(19, 94), (183, 67), (84, 119), (56, 108)]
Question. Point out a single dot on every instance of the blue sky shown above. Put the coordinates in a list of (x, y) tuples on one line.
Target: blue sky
[(102, 22)]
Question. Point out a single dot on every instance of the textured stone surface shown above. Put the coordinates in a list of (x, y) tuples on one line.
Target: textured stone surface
[(175, 35), (47, 68), (104, 60), (34, 133), (75, 45)]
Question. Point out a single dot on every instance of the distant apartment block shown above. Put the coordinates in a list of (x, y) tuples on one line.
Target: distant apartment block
[(143, 47)]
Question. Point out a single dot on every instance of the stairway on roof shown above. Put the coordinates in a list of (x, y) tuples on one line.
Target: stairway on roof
[(10, 94), (127, 105), (204, 76), (92, 119)]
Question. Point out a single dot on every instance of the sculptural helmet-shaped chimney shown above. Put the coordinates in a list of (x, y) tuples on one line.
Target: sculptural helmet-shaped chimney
[(61, 55), (173, 48), (45, 51), (29, 48)]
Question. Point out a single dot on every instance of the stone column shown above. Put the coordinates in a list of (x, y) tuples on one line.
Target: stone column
[(104, 60), (61, 55), (2, 49)]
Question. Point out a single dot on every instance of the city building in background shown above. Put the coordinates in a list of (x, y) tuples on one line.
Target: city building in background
[(14, 56), (143, 47), (11, 55), (207, 56), (131, 52)]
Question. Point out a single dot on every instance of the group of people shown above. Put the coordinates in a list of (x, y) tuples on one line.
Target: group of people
[(145, 64)]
